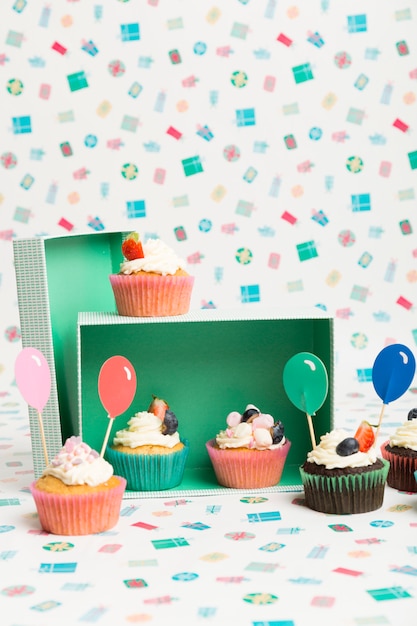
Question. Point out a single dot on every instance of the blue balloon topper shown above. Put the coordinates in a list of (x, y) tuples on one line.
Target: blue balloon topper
[(393, 372)]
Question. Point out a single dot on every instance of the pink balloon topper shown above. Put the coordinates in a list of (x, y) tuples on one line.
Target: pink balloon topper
[(33, 378), (116, 389)]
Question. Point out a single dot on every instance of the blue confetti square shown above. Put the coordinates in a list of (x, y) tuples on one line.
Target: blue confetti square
[(270, 516), (357, 23), (364, 375), (22, 125), (130, 32), (361, 202), (245, 117), (136, 208), (250, 293)]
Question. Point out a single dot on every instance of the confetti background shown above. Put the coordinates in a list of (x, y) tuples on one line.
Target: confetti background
[(270, 143)]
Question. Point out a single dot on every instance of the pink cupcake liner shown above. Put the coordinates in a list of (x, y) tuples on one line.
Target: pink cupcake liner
[(401, 471), (79, 514), (151, 296), (248, 469)]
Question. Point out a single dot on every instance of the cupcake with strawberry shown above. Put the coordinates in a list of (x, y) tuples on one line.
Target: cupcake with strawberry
[(152, 280), (343, 474), (149, 453)]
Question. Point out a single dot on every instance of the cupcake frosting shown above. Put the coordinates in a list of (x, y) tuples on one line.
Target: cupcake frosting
[(158, 258), (405, 436), (145, 429), (254, 434), (325, 453), (78, 464)]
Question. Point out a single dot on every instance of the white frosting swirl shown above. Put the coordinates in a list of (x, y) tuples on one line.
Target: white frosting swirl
[(78, 464), (145, 429), (405, 436), (325, 453), (159, 258)]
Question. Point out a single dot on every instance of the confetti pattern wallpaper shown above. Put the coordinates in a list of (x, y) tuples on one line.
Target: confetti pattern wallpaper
[(270, 143)]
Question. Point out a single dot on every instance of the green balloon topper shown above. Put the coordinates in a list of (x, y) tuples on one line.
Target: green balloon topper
[(306, 384)]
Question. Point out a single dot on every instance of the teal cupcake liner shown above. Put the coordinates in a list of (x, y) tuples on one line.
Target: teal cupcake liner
[(149, 472), (341, 495)]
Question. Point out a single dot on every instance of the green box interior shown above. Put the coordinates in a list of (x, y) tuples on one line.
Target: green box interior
[(204, 368), (77, 268)]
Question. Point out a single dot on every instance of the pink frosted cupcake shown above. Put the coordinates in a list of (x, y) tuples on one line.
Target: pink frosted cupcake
[(152, 281), (77, 493), (251, 452), (401, 452)]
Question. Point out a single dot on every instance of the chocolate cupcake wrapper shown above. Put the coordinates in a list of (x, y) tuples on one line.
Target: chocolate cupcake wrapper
[(151, 296), (85, 514), (248, 469), (149, 472), (341, 495), (402, 470)]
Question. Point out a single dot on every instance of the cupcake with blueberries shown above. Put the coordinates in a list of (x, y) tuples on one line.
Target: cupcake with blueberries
[(149, 452), (401, 452), (343, 474), (250, 453)]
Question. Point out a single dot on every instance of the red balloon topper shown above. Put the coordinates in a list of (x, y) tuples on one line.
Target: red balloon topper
[(116, 385)]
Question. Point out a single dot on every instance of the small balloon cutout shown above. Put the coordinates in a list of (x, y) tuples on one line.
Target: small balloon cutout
[(116, 389), (393, 372), (306, 382), (116, 385), (33, 378), (306, 385)]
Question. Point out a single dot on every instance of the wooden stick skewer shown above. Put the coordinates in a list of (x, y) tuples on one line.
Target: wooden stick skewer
[(106, 438), (379, 421), (45, 451), (311, 429)]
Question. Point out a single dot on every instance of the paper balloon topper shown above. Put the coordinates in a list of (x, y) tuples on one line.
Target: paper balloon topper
[(306, 385), (116, 389), (392, 374), (33, 379)]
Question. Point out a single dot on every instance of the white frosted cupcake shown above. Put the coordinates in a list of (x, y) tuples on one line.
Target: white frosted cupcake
[(152, 281), (340, 478), (149, 452)]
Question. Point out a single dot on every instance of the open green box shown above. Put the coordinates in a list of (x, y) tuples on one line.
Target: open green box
[(205, 364), (56, 277)]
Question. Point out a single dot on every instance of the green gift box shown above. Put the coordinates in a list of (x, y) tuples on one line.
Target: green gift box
[(205, 363), (302, 73)]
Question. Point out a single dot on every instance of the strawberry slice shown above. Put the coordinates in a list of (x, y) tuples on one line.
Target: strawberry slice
[(365, 436), (158, 407), (132, 247)]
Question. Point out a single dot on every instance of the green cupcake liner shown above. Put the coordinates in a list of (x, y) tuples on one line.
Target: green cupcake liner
[(149, 472), (341, 495)]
